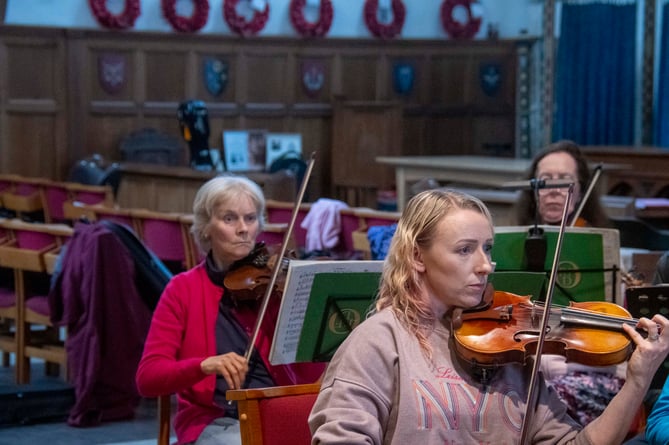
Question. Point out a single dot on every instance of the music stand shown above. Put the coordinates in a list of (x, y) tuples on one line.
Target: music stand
[(646, 301), (336, 307), (340, 317), (589, 263)]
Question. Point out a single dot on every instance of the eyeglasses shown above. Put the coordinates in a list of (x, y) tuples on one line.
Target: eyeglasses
[(560, 177)]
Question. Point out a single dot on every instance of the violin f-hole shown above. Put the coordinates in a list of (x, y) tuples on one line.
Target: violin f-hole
[(526, 335)]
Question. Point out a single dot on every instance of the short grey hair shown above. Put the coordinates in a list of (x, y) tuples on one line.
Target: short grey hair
[(217, 191)]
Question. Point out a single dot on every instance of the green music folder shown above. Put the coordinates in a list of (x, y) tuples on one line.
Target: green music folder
[(322, 302), (338, 303), (588, 265)]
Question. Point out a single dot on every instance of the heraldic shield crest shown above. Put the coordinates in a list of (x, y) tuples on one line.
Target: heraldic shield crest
[(490, 77), (312, 73), (215, 75), (112, 72), (403, 78)]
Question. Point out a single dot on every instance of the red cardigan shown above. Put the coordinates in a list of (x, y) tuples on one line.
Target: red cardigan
[(182, 334)]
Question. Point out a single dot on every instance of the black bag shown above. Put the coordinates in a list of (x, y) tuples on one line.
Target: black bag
[(151, 274)]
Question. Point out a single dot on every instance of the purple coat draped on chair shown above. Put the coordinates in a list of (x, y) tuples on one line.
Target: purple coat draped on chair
[(94, 295)]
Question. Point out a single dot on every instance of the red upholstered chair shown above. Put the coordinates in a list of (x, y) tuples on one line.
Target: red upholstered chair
[(350, 222), (282, 212), (24, 253), (8, 308), (195, 256), (276, 415), (267, 416), (274, 233), (84, 199), (25, 197), (54, 195), (162, 233)]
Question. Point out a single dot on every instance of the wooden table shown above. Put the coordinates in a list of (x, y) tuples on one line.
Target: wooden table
[(468, 171), (172, 189)]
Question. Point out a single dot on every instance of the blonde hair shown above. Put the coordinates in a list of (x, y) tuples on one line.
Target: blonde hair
[(216, 191), (401, 287)]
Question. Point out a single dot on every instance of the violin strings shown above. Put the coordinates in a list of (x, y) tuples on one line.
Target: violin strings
[(557, 310)]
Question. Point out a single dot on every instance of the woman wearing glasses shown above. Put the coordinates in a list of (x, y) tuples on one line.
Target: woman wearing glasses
[(586, 390), (561, 160)]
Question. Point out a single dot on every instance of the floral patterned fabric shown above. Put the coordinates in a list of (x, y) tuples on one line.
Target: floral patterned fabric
[(586, 393)]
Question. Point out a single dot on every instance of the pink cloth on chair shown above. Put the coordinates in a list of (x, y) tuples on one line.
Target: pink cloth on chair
[(323, 224)]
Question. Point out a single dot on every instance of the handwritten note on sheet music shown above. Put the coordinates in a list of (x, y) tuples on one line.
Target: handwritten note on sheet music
[(299, 280)]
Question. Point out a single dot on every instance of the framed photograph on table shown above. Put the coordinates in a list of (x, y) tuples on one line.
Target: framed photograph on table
[(283, 146), (244, 150)]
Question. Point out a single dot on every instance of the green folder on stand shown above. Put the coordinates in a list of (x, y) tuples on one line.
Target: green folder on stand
[(338, 303), (323, 302), (588, 267)]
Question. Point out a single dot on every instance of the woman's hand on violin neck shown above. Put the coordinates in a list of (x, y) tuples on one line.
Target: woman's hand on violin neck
[(232, 366), (650, 350)]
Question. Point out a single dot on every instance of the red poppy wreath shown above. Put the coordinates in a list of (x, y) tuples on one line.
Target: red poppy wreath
[(379, 29), (186, 24), (307, 29), (454, 28), (238, 24), (124, 20)]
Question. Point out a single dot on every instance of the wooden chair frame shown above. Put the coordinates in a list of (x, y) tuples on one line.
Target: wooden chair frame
[(248, 406), (21, 260)]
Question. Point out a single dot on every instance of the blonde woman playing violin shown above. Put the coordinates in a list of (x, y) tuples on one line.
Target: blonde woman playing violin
[(397, 380)]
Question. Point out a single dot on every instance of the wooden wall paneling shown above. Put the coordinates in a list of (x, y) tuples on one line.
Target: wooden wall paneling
[(448, 80), (33, 104), (316, 137), (5, 166), (103, 134), (447, 135), (77, 79), (165, 77), (361, 131), (493, 135), (359, 76), (646, 175), (267, 84), (443, 114), (414, 134)]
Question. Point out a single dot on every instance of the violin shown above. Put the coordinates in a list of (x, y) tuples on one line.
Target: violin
[(249, 280), (507, 331)]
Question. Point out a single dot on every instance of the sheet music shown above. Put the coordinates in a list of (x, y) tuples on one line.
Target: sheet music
[(299, 279)]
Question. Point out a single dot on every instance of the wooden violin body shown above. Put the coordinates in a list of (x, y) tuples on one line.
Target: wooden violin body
[(508, 329), (249, 281)]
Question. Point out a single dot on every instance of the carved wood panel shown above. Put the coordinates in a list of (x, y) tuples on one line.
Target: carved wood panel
[(62, 104)]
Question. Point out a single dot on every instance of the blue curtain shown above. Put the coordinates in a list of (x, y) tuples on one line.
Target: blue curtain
[(661, 123), (594, 79)]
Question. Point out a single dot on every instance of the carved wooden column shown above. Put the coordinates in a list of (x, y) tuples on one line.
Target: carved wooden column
[(548, 69), (523, 99), (648, 66)]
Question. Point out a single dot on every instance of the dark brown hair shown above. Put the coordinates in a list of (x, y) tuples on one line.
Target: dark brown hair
[(592, 211)]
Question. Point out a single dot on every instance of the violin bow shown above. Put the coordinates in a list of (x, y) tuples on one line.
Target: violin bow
[(277, 265), (531, 393), (586, 195)]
